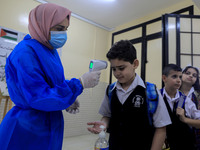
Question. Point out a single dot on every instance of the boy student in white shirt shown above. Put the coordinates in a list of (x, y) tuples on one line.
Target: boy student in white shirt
[(180, 135), (126, 114)]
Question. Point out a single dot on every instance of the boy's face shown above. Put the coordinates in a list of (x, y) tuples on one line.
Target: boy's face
[(124, 71), (173, 80)]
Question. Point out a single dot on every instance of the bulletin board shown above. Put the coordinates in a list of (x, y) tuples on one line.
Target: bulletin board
[(8, 40)]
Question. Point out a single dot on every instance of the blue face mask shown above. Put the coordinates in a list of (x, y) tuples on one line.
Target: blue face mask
[(58, 38)]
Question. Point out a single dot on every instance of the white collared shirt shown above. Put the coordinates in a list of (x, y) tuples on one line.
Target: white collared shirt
[(161, 117), (190, 93), (190, 108), (171, 100), (123, 94)]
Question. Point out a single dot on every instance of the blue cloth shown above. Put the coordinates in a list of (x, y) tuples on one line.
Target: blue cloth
[(37, 86)]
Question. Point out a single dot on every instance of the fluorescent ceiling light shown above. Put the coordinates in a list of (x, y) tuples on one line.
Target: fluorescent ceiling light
[(109, 0)]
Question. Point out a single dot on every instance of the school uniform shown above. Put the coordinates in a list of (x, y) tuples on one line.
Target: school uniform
[(180, 136), (192, 96), (195, 99), (129, 125)]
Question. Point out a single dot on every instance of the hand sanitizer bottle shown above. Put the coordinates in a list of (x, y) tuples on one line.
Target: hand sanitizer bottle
[(101, 143)]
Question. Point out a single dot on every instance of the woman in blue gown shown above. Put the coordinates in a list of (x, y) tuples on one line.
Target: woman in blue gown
[(37, 85)]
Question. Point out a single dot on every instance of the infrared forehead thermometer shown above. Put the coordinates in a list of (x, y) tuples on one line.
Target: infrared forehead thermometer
[(97, 65)]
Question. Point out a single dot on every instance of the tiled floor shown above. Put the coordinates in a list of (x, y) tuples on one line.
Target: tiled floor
[(83, 142)]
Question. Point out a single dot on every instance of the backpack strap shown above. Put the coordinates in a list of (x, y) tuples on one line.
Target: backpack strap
[(181, 102), (161, 91), (109, 91), (152, 100), (182, 99)]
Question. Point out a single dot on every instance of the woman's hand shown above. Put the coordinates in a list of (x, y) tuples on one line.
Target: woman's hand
[(74, 108)]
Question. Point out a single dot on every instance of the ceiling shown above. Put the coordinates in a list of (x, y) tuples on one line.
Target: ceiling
[(109, 14)]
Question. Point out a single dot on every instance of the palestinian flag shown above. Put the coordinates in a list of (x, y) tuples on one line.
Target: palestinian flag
[(10, 35)]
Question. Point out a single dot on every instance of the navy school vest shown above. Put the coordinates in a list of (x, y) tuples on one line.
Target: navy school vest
[(179, 135), (129, 124)]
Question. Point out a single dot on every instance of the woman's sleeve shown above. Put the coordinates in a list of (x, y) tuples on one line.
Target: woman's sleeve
[(35, 89)]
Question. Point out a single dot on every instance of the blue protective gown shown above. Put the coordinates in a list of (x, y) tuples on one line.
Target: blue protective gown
[(37, 86)]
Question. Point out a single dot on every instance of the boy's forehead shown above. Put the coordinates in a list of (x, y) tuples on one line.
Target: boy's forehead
[(118, 62), (173, 72)]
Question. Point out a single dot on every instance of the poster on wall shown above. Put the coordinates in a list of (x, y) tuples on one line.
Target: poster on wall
[(8, 40)]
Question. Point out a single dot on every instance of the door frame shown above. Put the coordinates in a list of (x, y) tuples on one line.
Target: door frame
[(145, 38)]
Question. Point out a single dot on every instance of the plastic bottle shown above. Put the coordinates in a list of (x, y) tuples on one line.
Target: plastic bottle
[(101, 143)]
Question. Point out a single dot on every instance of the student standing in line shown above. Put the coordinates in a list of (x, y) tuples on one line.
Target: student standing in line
[(180, 135), (37, 85), (190, 84), (126, 114), (191, 88)]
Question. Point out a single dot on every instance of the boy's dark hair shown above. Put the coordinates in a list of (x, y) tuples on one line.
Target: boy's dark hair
[(196, 84), (122, 50), (171, 67)]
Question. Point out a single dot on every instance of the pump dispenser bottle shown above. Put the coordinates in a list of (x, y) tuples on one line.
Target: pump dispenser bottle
[(101, 143)]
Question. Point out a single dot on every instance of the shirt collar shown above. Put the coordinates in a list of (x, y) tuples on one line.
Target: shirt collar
[(191, 91), (137, 81), (169, 98)]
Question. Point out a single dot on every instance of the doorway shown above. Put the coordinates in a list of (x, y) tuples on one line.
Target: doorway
[(152, 39)]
